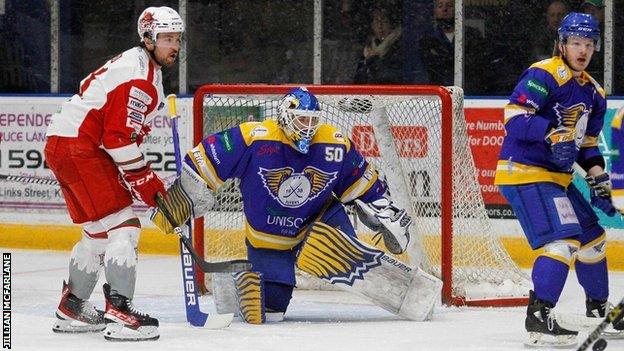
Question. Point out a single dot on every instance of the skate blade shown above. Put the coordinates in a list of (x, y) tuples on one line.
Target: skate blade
[(583, 323), (541, 340), (75, 327), (119, 332)]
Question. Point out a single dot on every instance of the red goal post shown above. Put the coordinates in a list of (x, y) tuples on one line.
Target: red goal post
[(417, 136)]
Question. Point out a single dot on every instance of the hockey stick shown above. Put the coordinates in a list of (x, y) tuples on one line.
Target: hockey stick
[(594, 336), (206, 267), (28, 179), (194, 315)]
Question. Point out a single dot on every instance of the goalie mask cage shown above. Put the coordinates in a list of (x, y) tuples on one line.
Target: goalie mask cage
[(416, 137)]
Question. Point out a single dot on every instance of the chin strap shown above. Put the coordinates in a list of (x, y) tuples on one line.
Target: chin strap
[(151, 52)]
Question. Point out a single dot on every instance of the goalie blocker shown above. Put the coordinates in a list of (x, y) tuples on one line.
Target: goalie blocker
[(354, 266)]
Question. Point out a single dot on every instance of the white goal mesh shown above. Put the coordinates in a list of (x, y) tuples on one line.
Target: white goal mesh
[(416, 137)]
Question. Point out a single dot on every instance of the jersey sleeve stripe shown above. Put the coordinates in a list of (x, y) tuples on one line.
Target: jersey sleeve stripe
[(512, 110), (361, 186), (205, 167), (127, 157)]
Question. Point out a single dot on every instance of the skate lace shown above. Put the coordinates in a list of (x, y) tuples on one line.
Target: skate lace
[(88, 309), (550, 322), (133, 309)]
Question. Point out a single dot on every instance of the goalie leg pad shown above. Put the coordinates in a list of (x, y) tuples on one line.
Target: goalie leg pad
[(250, 293), (224, 292), (357, 267)]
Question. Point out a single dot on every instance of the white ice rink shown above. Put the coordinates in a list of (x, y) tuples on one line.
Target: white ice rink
[(316, 321)]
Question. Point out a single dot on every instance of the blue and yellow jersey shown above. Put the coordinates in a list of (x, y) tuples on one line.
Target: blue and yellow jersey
[(282, 189), (548, 96), (617, 161)]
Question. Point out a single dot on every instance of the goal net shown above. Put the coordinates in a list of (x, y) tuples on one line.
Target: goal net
[(416, 137)]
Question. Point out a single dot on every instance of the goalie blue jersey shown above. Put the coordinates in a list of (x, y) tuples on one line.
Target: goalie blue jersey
[(282, 189), (547, 97)]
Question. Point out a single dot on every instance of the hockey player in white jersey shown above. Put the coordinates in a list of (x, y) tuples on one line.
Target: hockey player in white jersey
[(93, 144)]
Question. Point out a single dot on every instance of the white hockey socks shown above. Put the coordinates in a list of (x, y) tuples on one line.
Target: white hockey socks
[(86, 260)]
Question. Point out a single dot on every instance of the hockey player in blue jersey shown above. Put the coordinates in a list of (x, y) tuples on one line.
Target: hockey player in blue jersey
[(552, 120), (293, 171), (617, 161)]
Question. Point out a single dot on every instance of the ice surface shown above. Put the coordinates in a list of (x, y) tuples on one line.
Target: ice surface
[(316, 320)]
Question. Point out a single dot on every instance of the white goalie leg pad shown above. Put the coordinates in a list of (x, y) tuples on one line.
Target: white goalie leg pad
[(357, 267), (224, 292)]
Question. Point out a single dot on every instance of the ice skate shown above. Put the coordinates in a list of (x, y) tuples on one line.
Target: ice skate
[(543, 329), (124, 322), (75, 315), (597, 310)]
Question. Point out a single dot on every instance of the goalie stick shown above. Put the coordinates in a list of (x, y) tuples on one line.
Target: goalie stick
[(232, 266), (194, 315)]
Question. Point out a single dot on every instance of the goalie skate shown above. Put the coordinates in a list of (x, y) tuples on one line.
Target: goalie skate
[(75, 315), (124, 322)]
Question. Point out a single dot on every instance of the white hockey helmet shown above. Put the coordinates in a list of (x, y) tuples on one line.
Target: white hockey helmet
[(155, 20)]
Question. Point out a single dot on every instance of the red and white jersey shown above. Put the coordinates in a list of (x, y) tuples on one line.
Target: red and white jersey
[(113, 104)]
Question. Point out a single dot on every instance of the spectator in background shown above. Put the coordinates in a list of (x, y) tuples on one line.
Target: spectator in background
[(596, 65), (382, 56), (438, 50), (545, 44)]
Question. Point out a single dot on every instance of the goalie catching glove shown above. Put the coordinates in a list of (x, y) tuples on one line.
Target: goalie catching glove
[(188, 196), (390, 221)]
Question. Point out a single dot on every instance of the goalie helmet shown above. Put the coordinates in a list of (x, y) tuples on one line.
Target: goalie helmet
[(156, 20), (299, 115), (580, 25)]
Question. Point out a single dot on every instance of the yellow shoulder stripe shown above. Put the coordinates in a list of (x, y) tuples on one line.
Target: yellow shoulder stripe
[(328, 134), (557, 69)]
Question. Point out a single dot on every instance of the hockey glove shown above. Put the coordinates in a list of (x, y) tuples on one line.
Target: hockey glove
[(144, 184), (563, 147), (187, 197), (600, 193), (393, 223)]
